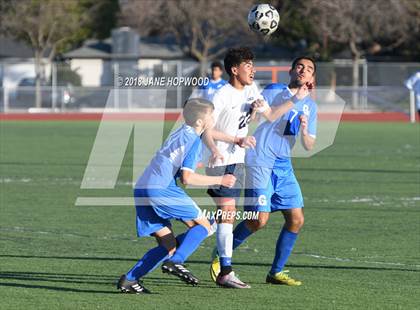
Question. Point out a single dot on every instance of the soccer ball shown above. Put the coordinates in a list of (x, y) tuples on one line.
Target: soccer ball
[(263, 18)]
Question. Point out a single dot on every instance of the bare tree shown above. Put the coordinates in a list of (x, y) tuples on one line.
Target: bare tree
[(364, 26), (204, 29), (44, 24)]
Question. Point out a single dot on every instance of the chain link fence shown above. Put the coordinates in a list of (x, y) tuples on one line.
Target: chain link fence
[(85, 85)]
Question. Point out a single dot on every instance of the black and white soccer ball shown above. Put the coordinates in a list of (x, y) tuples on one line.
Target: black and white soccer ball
[(263, 18)]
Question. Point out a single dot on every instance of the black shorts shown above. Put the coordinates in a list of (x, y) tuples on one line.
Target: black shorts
[(238, 170)]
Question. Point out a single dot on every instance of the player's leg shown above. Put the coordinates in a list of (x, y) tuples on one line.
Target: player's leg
[(226, 200), (148, 224), (166, 247), (183, 208), (293, 223), (130, 282), (199, 230), (258, 192), (224, 235), (247, 227), (288, 199)]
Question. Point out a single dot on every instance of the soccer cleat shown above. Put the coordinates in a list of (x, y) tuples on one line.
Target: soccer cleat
[(282, 278), (131, 287), (231, 281), (215, 265), (180, 271)]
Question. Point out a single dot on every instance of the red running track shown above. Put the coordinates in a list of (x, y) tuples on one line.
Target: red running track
[(173, 116)]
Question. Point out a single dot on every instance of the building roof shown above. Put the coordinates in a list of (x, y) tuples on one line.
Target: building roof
[(150, 47), (10, 47)]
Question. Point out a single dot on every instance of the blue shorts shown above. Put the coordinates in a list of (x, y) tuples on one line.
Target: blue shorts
[(270, 190), (156, 207), (238, 170)]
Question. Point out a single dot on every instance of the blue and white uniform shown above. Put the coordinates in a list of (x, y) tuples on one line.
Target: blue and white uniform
[(270, 181), (413, 84), (207, 91), (157, 196)]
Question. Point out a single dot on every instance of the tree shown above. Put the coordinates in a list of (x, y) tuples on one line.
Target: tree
[(204, 29), (45, 25), (295, 30), (103, 16), (364, 26)]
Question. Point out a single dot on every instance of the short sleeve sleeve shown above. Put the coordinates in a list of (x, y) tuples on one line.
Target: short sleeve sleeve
[(193, 156), (271, 91)]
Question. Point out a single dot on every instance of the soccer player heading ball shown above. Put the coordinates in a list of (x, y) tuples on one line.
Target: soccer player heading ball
[(232, 113)]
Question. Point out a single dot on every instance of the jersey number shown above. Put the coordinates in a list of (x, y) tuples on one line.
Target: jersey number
[(245, 119), (293, 123)]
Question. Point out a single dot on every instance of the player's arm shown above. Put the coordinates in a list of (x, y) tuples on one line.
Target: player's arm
[(308, 141), (189, 177), (212, 134), (209, 142), (276, 111), (272, 113), (241, 141)]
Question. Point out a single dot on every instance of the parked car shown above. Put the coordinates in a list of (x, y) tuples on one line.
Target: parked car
[(25, 95)]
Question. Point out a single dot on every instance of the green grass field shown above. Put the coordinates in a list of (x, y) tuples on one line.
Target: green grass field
[(359, 249)]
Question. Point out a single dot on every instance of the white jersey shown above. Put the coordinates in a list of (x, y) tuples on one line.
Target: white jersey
[(232, 112)]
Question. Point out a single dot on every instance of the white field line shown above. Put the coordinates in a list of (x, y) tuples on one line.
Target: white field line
[(339, 259), (127, 201)]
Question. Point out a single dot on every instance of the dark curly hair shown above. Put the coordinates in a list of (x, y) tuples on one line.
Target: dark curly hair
[(235, 56)]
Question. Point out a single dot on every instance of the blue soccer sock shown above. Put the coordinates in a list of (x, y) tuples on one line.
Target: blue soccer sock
[(284, 247), (193, 237), (240, 234), (147, 263)]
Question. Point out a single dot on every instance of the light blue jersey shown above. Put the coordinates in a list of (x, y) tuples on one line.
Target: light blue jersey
[(208, 91), (275, 140), (413, 84), (271, 184), (180, 151), (157, 197)]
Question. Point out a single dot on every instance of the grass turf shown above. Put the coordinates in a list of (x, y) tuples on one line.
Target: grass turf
[(359, 248)]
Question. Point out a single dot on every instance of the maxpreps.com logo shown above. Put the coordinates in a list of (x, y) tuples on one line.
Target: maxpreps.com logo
[(262, 200)]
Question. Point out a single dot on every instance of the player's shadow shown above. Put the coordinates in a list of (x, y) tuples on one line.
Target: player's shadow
[(65, 278), (57, 288), (128, 259), (109, 281)]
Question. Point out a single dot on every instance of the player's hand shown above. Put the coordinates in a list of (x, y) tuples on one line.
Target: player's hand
[(259, 105), (310, 85), (228, 180), (304, 124), (246, 142), (215, 156)]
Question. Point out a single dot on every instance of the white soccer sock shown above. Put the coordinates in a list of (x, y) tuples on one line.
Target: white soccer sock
[(224, 239)]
